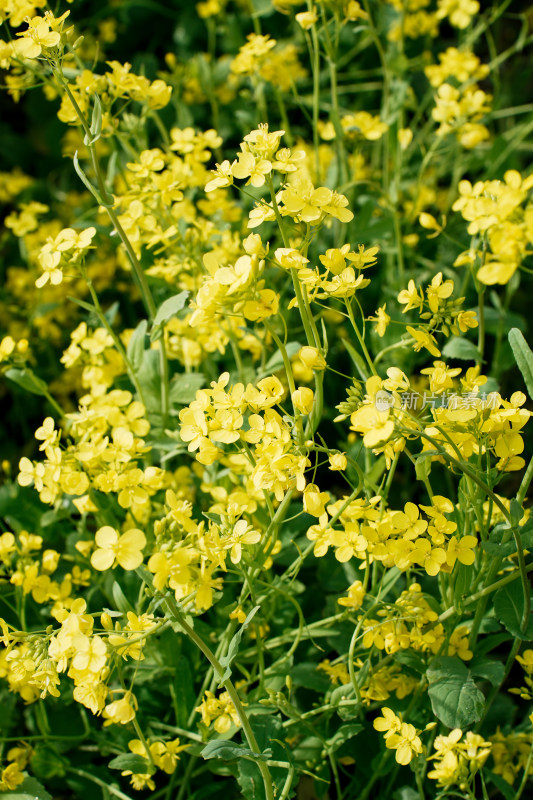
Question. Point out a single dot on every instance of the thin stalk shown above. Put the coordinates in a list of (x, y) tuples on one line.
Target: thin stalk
[(173, 609)]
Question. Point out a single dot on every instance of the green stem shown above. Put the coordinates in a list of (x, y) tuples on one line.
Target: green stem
[(360, 338), (175, 612)]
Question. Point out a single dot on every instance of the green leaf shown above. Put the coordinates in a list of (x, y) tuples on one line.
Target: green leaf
[(183, 690), (183, 388), (523, 357), (464, 349), (501, 784), (135, 351), (343, 734), (132, 762), (269, 733), (87, 306), (455, 698), (149, 377), (494, 544), (275, 362), (462, 585), (357, 360), (233, 648), (230, 751), (27, 380), (29, 789), (119, 598), (102, 201), (168, 309), (492, 671), (423, 467), (96, 122), (306, 674), (509, 610)]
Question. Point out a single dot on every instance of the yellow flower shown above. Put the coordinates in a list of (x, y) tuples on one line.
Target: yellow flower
[(388, 724), (423, 339), (120, 712), (337, 462), (306, 19), (411, 297), (382, 319), (406, 743), (355, 597), (35, 37), (113, 548), (302, 399)]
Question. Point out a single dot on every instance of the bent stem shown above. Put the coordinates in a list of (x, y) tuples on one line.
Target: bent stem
[(227, 683)]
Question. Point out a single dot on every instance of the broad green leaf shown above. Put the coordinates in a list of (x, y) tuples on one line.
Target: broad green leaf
[(269, 733), (27, 380), (149, 377), (523, 357), (306, 674), (455, 698), (463, 583), (492, 671), (135, 351), (233, 648), (509, 610), (494, 544), (29, 789), (343, 734), (183, 388), (169, 308), (183, 690), (460, 348), (411, 660), (132, 762)]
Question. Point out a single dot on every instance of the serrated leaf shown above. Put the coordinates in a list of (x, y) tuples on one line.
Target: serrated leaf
[(509, 607), (233, 648), (455, 699), (523, 357), (135, 350), (183, 388), (29, 789), (132, 762), (460, 348), (27, 380), (169, 308)]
